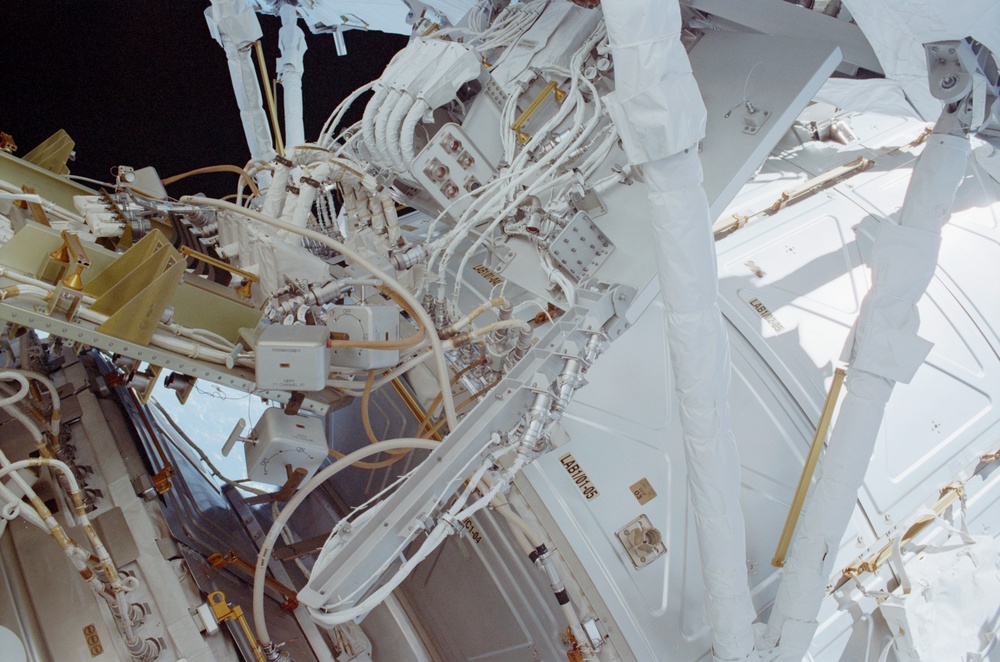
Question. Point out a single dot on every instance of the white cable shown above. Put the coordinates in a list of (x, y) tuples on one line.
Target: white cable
[(338, 113), (393, 130), (390, 282), (434, 538), (49, 206), (368, 121), (407, 135), (22, 390), (538, 182), (381, 126), (264, 556)]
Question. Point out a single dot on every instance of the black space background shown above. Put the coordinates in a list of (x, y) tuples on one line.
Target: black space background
[(141, 82)]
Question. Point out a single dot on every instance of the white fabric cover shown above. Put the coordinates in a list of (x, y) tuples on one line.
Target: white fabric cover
[(946, 606), (659, 113), (699, 356), (656, 105), (290, 68), (897, 29), (234, 25), (871, 95)]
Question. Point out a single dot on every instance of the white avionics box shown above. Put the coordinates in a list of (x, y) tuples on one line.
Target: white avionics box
[(283, 444), (364, 323), (293, 358)]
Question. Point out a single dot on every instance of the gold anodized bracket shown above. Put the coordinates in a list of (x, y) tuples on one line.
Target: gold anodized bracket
[(251, 278), (559, 95), (948, 496), (232, 557), (826, 415), (71, 253), (78, 255), (224, 612)]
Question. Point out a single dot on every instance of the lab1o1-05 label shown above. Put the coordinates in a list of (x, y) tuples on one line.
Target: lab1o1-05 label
[(579, 476)]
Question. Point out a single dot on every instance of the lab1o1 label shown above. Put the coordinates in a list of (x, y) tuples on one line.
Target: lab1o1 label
[(579, 477), (766, 314), (492, 277)]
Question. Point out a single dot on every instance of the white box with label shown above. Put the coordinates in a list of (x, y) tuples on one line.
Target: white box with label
[(292, 358), (285, 441), (364, 323)]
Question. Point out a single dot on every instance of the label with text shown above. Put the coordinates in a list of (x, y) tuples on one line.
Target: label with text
[(766, 314), (579, 477), (492, 277), (474, 534), (643, 492)]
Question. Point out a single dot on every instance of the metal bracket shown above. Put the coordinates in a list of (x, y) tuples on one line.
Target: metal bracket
[(642, 541), (580, 247)]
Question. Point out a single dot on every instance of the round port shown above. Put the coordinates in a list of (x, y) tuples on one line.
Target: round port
[(450, 190), (465, 160), (436, 171)]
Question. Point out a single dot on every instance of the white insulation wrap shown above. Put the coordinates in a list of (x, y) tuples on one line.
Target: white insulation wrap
[(656, 105), (869, 95), (897, 28), (290, 69), (234, 25), (661, 117), (883, 349)]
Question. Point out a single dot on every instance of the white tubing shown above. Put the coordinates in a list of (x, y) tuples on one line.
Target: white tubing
[(368, 121), (451, 343), (50, 207), (53, 393), (290, 68), (264, 556), (441, 365), (517, 523), (381, 126), (883, 349), (441, 531), (455, 327), (167, 341), (74, 488), (73, 551), (393, 130), (408, 132), (22, 390), (326, 137), (24, 291)]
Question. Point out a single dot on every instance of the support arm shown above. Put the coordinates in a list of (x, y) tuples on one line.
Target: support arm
[(234, 25), (659, 113), (883, 349)]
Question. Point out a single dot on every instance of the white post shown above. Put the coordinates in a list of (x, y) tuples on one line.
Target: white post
[(658, 111), (883, 349), (290, 68), (234, 25)]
